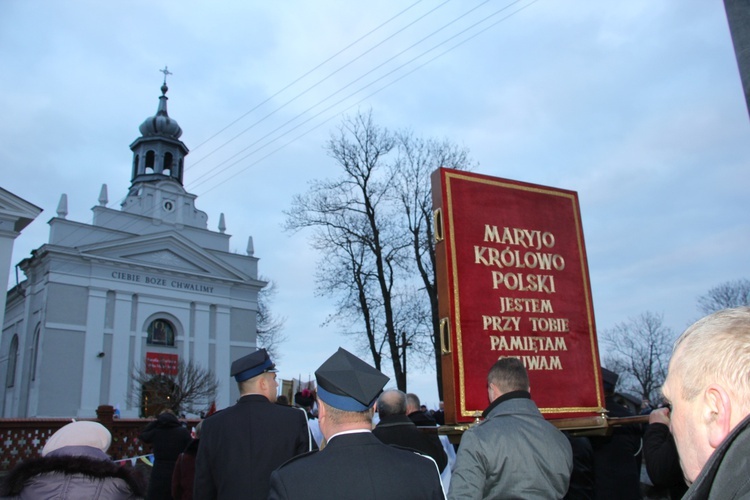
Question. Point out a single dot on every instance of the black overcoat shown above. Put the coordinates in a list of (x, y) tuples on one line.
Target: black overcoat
[(617, 459), (168, 438), (241, 445), (399, 430), (662, 460), (360, 466)]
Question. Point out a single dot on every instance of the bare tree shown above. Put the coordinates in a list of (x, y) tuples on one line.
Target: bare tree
[(373, 226), (417, 159), (346, 272), (269, 327), (183, 387), (354, 226), (729, 294), (639, 350)]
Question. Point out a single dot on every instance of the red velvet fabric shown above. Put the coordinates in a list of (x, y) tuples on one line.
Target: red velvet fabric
[(514, 281)]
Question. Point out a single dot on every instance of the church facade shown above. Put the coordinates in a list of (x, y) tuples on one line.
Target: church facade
[(141, 288)]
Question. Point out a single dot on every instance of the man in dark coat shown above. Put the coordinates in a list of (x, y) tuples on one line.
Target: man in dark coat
[(660, 455), (617, 459), (183, 477), (395, 427), (709, 390), (354, 463), (168, 438), (241, 445), (439, 414), (582, 480), (416, 414)]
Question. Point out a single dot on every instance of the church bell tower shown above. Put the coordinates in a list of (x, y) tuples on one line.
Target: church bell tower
[(159, 154)]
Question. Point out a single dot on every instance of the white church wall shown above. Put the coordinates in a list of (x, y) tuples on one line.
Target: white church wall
[(62, 372)]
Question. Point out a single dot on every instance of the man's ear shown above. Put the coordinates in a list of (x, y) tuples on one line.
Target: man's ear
[(263, 384), (717, 414), (494, 391), (321, 411)]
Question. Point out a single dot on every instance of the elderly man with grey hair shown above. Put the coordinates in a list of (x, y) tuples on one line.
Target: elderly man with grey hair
[(395, 427), (708, 386)]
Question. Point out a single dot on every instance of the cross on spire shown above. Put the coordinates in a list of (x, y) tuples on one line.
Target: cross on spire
[(166, 72)]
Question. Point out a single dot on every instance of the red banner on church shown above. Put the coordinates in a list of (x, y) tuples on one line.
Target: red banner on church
[(513, 281), (158, 363)]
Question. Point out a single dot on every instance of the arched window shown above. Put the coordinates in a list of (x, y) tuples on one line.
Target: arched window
[(135, 165), (150, 157), (168, 164), (35, 352), (10, 379), (160, 332)]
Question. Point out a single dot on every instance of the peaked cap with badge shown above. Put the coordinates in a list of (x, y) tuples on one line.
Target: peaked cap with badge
[(252, 365), (348, 383), (354, 464)]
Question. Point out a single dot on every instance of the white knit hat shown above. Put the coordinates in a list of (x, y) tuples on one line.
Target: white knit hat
[(84, 433)]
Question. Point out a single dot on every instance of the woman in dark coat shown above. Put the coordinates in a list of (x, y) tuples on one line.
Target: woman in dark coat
[(183, 477), (168, 438)]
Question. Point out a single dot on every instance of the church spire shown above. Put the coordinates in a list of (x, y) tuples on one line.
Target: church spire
[(159, 154)]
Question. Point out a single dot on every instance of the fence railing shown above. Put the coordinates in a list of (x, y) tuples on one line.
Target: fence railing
[(22, 439)]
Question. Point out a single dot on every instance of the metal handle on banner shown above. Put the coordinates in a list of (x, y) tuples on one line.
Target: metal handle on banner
[(445, 336), (437, 223)]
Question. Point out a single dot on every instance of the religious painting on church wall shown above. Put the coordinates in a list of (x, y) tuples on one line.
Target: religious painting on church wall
[(160, 332)]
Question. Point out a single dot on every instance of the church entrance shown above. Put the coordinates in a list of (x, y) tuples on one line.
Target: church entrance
[(157, 395)]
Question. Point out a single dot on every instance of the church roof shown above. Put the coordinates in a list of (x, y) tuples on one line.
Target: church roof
[(161, 124)]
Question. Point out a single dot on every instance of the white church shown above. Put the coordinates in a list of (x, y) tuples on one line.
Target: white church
[(148, 283)]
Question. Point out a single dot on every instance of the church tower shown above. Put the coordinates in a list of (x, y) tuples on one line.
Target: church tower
[(156, 185), (158, 154), (147, 287)]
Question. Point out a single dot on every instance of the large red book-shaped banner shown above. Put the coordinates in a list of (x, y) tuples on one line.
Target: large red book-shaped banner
[(513, 281)]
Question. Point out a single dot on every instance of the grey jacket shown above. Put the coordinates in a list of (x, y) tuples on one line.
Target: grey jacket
[(725, 475), (513, 453)]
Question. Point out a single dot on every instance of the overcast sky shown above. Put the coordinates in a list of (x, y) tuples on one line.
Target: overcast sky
[(635, 105)]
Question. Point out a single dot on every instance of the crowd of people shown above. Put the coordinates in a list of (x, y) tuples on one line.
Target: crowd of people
[(353, 439)]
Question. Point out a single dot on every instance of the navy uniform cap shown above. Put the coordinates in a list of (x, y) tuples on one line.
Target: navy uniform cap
[(348, 383), (252, 365)]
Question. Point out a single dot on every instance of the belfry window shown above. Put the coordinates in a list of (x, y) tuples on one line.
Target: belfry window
[(150, 158), (168, 164), (160, 332)]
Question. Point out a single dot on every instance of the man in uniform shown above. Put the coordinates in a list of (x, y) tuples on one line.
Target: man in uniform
[(241, 445), (708, 387), (514, 452), (354, 463)]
